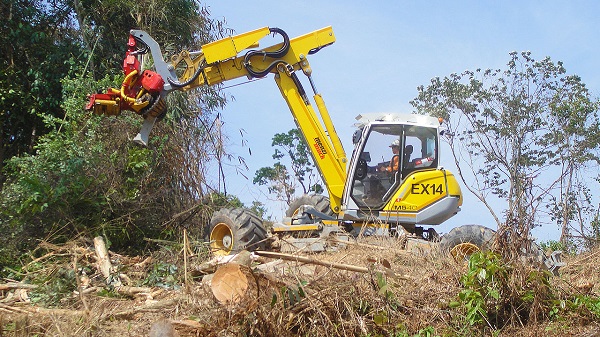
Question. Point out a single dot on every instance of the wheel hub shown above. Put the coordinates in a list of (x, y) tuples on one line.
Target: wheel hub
[(463, 251), (221, 239)]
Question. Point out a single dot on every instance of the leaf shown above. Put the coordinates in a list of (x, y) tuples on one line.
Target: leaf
[(481, 275), (273, 300), (494, 293), (380, 318)]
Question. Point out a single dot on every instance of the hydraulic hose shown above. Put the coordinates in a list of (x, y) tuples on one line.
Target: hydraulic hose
[(127, 82), (177, 84), (316, 50), (281, 52), (144, 47)]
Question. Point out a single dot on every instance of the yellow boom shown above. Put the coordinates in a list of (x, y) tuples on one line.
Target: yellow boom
[(229, 59)]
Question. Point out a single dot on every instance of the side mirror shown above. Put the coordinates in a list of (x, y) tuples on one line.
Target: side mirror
[(356, 136)]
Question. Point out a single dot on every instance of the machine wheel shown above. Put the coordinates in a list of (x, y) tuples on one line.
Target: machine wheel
[(234, 229), (318, 201), (465, 240)]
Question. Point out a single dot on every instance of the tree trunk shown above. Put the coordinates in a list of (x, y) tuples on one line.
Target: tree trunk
[(233, 284)]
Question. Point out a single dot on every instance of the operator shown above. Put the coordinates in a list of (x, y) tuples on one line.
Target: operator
[(393, 166)]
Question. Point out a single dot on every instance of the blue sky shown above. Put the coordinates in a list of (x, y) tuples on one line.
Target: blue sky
[(383, 51)]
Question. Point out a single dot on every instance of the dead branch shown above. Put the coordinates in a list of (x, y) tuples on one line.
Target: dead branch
[(304, 259), (104, 265), (42, 311), (132, 291), (15, 285), (145, 308)]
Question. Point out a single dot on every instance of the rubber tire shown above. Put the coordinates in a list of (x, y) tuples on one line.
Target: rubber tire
[(318, 201), (246, 227), (477, 235), (482, 237)]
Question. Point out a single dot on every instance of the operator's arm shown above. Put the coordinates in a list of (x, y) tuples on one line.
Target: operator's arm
[(391, 167)]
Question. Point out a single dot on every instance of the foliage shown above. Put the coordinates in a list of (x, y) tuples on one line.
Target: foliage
[(289, 296), (526, 134), (80, 174), (162, 275), (589, 303), (175, 24), (291, 148), (496, 294), (552, 245), (54, 288), (36, 55)]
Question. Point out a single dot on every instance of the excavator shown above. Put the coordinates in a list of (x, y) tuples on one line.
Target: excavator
[(405, 196)]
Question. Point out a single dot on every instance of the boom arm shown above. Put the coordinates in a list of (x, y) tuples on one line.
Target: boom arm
[(220, 61)]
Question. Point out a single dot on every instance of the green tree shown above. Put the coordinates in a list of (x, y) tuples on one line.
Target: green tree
[(520, 134), (83, 175), (104, 26), (291, 148), (37, 50)]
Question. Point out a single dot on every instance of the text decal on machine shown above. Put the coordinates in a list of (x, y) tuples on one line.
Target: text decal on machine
[(320, 148), (427, 189)]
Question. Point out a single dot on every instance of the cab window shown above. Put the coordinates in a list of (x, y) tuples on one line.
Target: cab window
[(389, 155)]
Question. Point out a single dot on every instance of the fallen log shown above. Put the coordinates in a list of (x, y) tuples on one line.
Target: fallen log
[(104, 265), (304, 259)]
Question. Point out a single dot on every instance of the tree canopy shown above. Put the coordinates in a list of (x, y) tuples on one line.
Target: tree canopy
[(290, 149), (526, 135)]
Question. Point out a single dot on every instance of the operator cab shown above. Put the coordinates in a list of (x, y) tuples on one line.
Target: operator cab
[(388, 149)]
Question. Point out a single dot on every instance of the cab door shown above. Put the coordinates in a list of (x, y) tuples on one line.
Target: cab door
[(384, 156)]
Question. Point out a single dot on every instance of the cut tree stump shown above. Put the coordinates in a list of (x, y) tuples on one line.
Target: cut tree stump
[(232, 283)]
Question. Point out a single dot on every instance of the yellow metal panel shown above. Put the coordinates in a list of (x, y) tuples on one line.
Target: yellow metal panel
[(326, 149), (454, 187), (231, 46), (232, 68), (420, 190), (294, 228)]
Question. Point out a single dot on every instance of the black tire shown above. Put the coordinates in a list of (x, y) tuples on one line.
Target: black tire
[(232, 230), (463, 241), (318, 201)]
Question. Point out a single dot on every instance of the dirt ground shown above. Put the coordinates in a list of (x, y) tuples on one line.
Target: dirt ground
[(399, 293)]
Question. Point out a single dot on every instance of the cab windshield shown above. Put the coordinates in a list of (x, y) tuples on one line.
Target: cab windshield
[(390, 154)]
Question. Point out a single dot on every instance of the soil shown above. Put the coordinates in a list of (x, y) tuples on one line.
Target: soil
[(402, 294)]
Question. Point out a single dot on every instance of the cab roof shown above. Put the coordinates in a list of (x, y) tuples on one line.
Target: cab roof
[(397, 118)]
